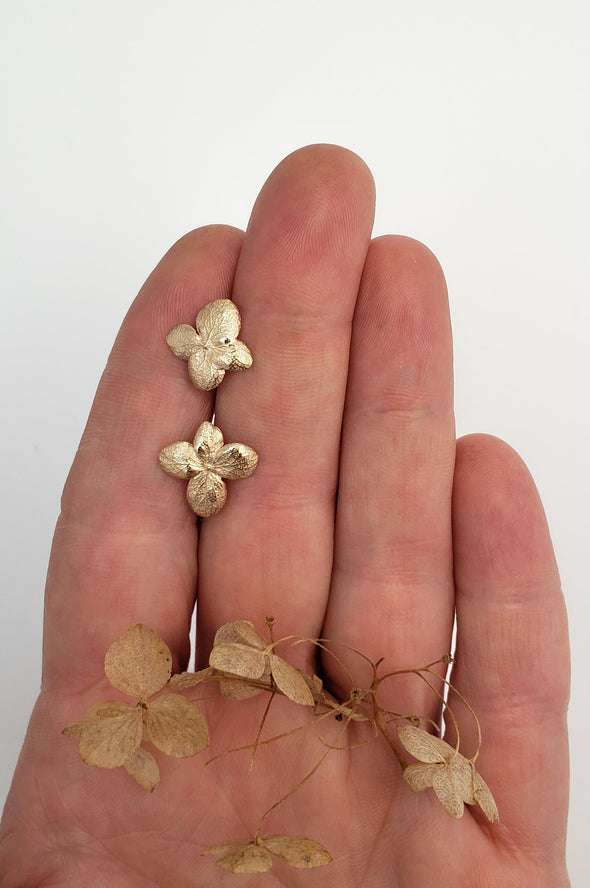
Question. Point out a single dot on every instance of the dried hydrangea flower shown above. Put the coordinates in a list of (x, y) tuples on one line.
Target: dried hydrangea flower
[(452, 776), (252, 855), (239, 650), (206, 462), (213, 347), (139, 664)]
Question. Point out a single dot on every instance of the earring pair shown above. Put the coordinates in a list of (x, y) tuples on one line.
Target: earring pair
[(211, 348)]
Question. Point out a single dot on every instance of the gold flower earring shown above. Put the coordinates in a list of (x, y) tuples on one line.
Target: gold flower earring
[(213, 347)]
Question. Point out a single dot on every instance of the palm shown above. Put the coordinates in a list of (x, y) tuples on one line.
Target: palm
[(366, 414)]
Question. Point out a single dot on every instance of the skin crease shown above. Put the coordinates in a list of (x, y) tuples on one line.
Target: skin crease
[(350, 394)]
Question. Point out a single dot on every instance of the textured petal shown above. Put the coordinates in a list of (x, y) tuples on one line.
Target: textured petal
[(252, 859), (424, 746), (484, 798), (235, 461), (183, 341), (218, 321), (449, 790), (238, 690), (206, 493), (208, 442), (420, 776), (240, 356), (190, 679), (138, 663), (110, 732), (298, 851), (239, 659), (290, 681), (142, 766), (176, 726), (180, 459), (203, 370), (241, 631)]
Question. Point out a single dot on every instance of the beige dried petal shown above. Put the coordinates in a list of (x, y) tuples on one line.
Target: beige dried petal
[(291, 681), (316, 686), (182, 341), (207, 442), (239, 659), (240, 690), (424, 746), (204, 371), (110, 733), (176, 726), (206, 493), (241, 631), (298, 851), (142, 766), (179, 459), (235, 461), (484, 798), (236, 690), (73, 731), (218, 321), (139, 663), (450, 788), (232, 846), (419, 776), (252, 859), (190, 679)]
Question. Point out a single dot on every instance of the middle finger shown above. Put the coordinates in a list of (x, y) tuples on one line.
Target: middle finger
[(269, 552)]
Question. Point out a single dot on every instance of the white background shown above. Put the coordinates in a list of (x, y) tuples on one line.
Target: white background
[(128, 122)]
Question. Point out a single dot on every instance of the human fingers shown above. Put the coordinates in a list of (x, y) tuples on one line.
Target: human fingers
[(125, 544), (392, 589), (269, 553), (512, 661)]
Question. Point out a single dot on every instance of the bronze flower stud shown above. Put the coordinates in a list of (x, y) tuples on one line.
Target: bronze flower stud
[(213, 347), (206, 462)]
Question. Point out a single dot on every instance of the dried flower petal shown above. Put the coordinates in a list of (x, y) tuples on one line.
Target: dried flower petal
[(424, 746), (241, 631), (453, 777), (176, 726), (110, 733), (142, 766), (238, 659), (138, 663), (298, 851), (190, 679), (291, 681), (484, 798), (241, 857)]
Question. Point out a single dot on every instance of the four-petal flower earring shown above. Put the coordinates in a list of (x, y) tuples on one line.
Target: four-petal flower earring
[(213, 347)]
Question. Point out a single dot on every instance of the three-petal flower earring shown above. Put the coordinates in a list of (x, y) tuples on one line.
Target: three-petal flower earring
[(213, 347)]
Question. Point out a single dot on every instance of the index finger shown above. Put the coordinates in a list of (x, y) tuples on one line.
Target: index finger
[(125, 544)]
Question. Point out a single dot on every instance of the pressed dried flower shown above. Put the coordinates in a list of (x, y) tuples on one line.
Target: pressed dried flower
[(250, 656), (213, 348), (206, 462), (452, 776), (139, 664), (252, 856)]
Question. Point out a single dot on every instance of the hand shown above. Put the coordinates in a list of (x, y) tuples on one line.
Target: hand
[(365, 522)]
